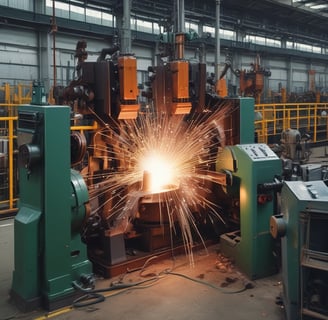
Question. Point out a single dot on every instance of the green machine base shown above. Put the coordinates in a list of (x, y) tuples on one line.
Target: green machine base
[(253, 168), (49, 254)]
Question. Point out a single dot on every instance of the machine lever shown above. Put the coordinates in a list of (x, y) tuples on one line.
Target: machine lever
[(269, 186)]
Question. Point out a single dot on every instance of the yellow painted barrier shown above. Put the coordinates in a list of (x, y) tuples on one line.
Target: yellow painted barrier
[(309, 118)]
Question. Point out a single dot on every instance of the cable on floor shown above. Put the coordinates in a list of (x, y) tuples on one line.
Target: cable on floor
[(93, 296), (244, 288)]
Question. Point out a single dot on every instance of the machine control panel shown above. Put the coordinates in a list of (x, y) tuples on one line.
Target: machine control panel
[(258, 151)]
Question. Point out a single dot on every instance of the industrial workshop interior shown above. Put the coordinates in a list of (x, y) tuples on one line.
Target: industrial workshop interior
[(164, 159)]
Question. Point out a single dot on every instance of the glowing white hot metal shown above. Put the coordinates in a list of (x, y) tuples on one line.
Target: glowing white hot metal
[(155, 154), (161, 172)]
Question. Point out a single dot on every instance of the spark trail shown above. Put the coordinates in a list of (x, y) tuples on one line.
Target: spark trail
[(177, 156)]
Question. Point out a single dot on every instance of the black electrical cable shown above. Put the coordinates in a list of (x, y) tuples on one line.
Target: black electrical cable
[(93, 296), (88, 300), (244, 288)]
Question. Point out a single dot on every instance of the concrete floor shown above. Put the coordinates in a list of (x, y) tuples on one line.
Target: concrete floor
[(170, 297)]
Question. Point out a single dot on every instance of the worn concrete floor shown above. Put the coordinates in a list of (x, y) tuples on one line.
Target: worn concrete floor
[(202, 291)]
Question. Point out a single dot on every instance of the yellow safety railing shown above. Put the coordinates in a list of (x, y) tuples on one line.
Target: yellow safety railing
[(309, 118), (8, 167), (10, 97), (15, 95)]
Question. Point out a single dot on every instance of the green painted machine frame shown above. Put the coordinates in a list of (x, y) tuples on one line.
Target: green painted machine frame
[(302, 227), (238, 122), (49, 254), (251, 246)]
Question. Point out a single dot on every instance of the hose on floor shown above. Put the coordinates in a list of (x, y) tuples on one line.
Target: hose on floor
[(94, 296)]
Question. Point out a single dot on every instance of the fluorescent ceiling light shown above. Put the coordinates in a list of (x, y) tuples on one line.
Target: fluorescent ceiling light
[(319, 6)]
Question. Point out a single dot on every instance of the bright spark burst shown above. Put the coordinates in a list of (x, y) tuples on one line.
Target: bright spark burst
[(179, 155), (160, 169)]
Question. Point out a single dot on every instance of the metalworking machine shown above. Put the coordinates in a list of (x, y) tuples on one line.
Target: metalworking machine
[(251, 82), (294, 151), (115, 212), (249, 203), (177, 89), (54, 202), (302, 227)]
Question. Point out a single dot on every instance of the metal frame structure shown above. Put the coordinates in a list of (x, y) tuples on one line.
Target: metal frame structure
[(306, 117)]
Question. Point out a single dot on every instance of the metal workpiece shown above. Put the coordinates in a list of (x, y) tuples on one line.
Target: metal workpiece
[(49, 253)]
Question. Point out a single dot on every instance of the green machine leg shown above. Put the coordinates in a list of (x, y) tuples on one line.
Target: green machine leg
[(252, 166), (49, 254)]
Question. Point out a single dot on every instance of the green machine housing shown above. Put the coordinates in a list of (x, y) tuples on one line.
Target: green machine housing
[(49, 255), (302, 226), (249, 203)]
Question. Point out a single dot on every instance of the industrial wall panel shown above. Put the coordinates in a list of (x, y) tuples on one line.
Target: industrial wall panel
[(278, 74), (19, 56), (61, 13), (143, 64), (279, 64), (319, 67), (321, 80), (14, 74), (300, 76), (77, 16), (278, 78), (298, 65), (19, 4), (18, 37)]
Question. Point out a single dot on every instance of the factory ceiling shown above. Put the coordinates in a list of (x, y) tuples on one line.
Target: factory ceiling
[(318, 6), (300, 20), (294, 11)]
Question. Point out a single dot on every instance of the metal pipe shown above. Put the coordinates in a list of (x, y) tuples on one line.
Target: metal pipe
[(181, 14), (217, 41), (126, 27), (39, 56), (180, 33), (53, 31), (179, 46)]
